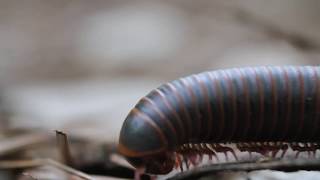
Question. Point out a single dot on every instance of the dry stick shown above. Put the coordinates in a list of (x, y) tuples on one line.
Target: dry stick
[(21, 164), (283, 165), (63, 146), (69, 169), (29, 175), (16, 143), (18, 164)]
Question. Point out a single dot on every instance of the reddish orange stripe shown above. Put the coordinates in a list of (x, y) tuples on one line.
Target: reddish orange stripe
[(205, 92), (317, 101), (217, 88), (184, 108), (301, 117), (274, 101), (192, 95), (166, 102), (261, 102), (164, 118), (247, 103), (234, 104), (289, 103), (149, 121)]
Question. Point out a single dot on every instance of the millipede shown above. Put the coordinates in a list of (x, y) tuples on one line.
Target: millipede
[(266, 109)]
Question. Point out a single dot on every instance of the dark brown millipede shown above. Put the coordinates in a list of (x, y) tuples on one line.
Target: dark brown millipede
[(260, 109)]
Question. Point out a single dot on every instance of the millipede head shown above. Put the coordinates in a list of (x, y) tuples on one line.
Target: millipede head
[(143, 146), (154, 164)]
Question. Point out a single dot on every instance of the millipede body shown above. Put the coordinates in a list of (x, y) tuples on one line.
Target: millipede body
[(257, 108)]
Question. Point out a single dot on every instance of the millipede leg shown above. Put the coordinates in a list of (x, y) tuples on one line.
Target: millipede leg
[(226, 155), (314, 150), (138, 172), (283, 153), (275, 148), (305, 148), (185, 159), (224, 149), (284, 148), (200, 151), (265, 149), (179, 163), (206, 151), (211, 150), (193, 160), (234, 155), (219, 148), (250, 147), (274, 153)]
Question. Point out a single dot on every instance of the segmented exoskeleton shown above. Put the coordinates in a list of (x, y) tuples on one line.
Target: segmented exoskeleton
[(258, 108)]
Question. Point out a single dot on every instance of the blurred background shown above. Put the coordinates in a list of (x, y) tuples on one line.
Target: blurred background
[(80, 66)]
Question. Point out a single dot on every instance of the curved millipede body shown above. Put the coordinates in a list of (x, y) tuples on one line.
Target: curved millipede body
[(257, 108)]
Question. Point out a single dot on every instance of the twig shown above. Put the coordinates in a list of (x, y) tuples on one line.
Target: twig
[(20, 164), (283, 165), (69, 169), (29, 176), (63, 146), (13, 144)]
